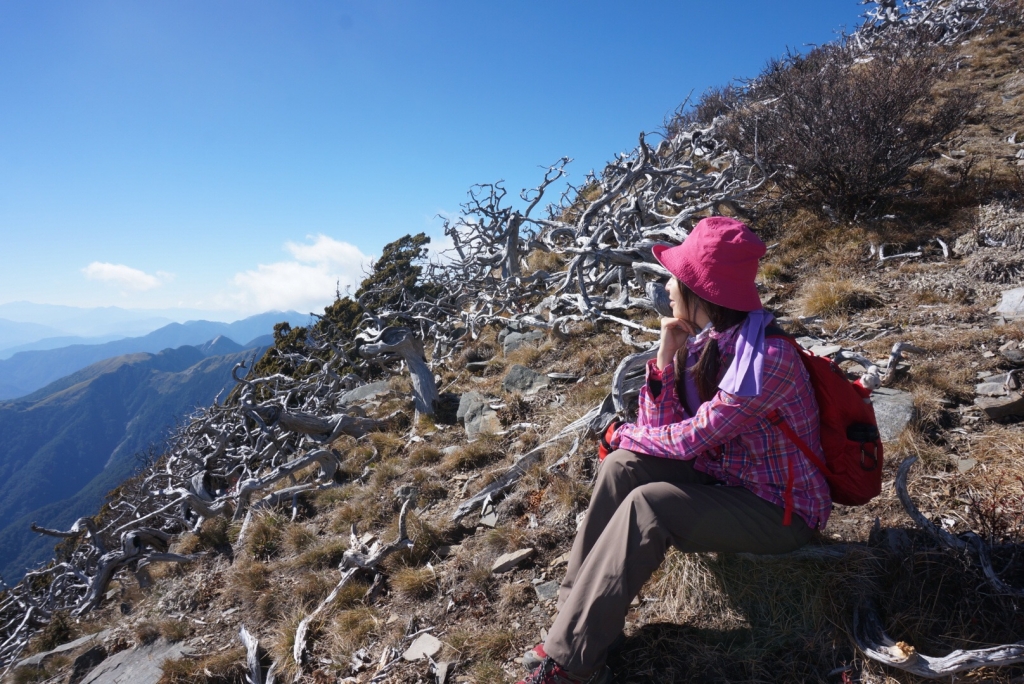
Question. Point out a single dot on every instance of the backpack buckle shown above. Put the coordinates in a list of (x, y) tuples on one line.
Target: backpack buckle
[(864, 455)]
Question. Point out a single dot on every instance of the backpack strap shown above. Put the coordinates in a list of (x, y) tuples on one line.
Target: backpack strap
[(776, 418)]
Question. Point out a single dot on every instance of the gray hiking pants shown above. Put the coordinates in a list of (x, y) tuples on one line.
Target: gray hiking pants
[(640, 506)]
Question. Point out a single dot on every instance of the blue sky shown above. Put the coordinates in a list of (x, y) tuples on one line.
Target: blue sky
[(242, 156)]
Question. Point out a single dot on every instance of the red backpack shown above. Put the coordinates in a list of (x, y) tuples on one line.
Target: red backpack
[(849, 433)]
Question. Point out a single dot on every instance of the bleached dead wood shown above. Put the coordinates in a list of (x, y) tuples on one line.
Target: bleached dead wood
[(876, 644), (254, 675), (968, 542), (400, 342), (353, 561)]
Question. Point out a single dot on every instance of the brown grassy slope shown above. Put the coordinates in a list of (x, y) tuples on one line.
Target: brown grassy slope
[(709, 618)]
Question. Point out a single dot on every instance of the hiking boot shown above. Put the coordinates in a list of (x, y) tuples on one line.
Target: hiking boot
[(536, 655), (550, 672)]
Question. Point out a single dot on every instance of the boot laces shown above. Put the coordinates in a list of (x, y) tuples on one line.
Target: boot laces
[(542, 672)]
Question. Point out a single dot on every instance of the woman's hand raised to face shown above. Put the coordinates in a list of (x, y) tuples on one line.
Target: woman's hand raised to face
[(674, 332)]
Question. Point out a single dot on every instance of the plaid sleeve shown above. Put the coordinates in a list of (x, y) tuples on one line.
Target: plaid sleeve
[(659, 404), (716, 422)]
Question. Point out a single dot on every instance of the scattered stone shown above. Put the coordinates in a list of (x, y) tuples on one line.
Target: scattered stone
[(509, 561), (808, 342), (407, 491), (515, 340), (1012, 344), (475, 412), (965, 464), (85, 663), (998, 408), (548, 591), (561, 560), (990, 389), (1014, 356), (825, 349), (989, 354), (424, 646), (140, 665), (39, 658), (448, 550), (894, 409), (489, 515), (1012, 303), (522, 379), (364, 392)]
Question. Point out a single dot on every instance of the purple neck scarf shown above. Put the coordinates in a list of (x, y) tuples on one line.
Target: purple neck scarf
[(743, 379)]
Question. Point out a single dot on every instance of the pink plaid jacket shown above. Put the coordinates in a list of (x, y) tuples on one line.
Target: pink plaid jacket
[(730, 437)]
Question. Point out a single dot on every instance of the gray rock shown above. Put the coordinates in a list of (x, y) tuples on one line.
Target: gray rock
[(135, 666), (477, 366), (85, 663), (470, 403), (522, 379), (424, 646), (547, 591), (998, 408), (407, 491), (39, 658), (489, 515), (477, 415), (1014, 356), (364, 392), (990, 389), (825, 349), (894, 409), (509, 561), (1012, 303), (515, 340), (808, 342)]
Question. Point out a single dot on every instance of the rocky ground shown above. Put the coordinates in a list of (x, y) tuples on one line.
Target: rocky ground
[(472, 594)]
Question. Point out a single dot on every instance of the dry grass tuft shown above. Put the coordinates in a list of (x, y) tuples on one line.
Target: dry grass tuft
[(220, 668), (263, 538), (515, 596), (146, 633), (299, 537), (387, 444), (350, 628), (424, 455), (486, 449), (484, 644), (571, 494), (213, 535), (174, 630), (506, 538), (413, 582), (327, 554), (283, 642), (832, 295)]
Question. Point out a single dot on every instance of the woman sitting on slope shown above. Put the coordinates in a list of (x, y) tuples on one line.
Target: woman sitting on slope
[(703, 468)]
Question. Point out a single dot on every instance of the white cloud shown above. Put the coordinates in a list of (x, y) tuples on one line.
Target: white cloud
[(125, 276), (308, 283)]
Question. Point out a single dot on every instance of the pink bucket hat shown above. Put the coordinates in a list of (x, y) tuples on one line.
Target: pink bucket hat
[(718, 261)]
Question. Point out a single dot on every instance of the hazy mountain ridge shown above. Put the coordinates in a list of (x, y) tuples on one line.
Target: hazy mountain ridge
[(28, 371), (69, 443)]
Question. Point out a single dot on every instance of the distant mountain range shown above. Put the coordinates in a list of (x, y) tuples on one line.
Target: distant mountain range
[(27, 371), (66, 445)]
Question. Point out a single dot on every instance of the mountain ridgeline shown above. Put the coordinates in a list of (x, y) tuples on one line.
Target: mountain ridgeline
[(66, 445), (27, 371)]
